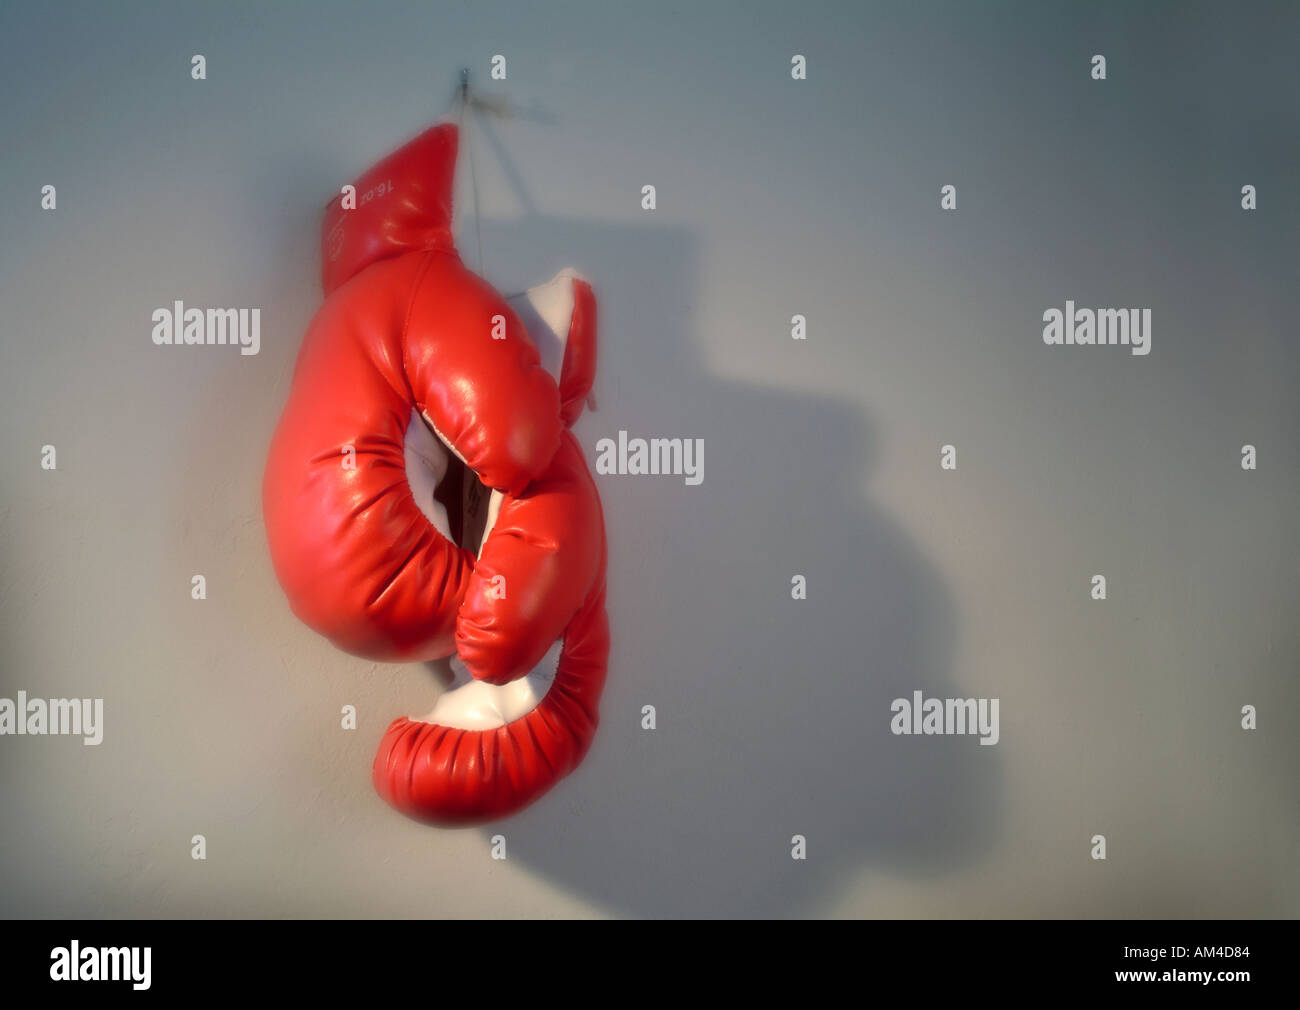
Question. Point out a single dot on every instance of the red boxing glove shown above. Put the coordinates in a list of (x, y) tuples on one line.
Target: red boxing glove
[(405, 337), (486, 751), (413, 367)]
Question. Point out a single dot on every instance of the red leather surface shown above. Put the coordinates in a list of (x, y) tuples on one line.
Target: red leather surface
[(546, 546), (403, 204), (579, 371), (358, 560)]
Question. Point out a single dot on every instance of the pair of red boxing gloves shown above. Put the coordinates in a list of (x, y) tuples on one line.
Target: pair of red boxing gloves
[(424, 497)]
